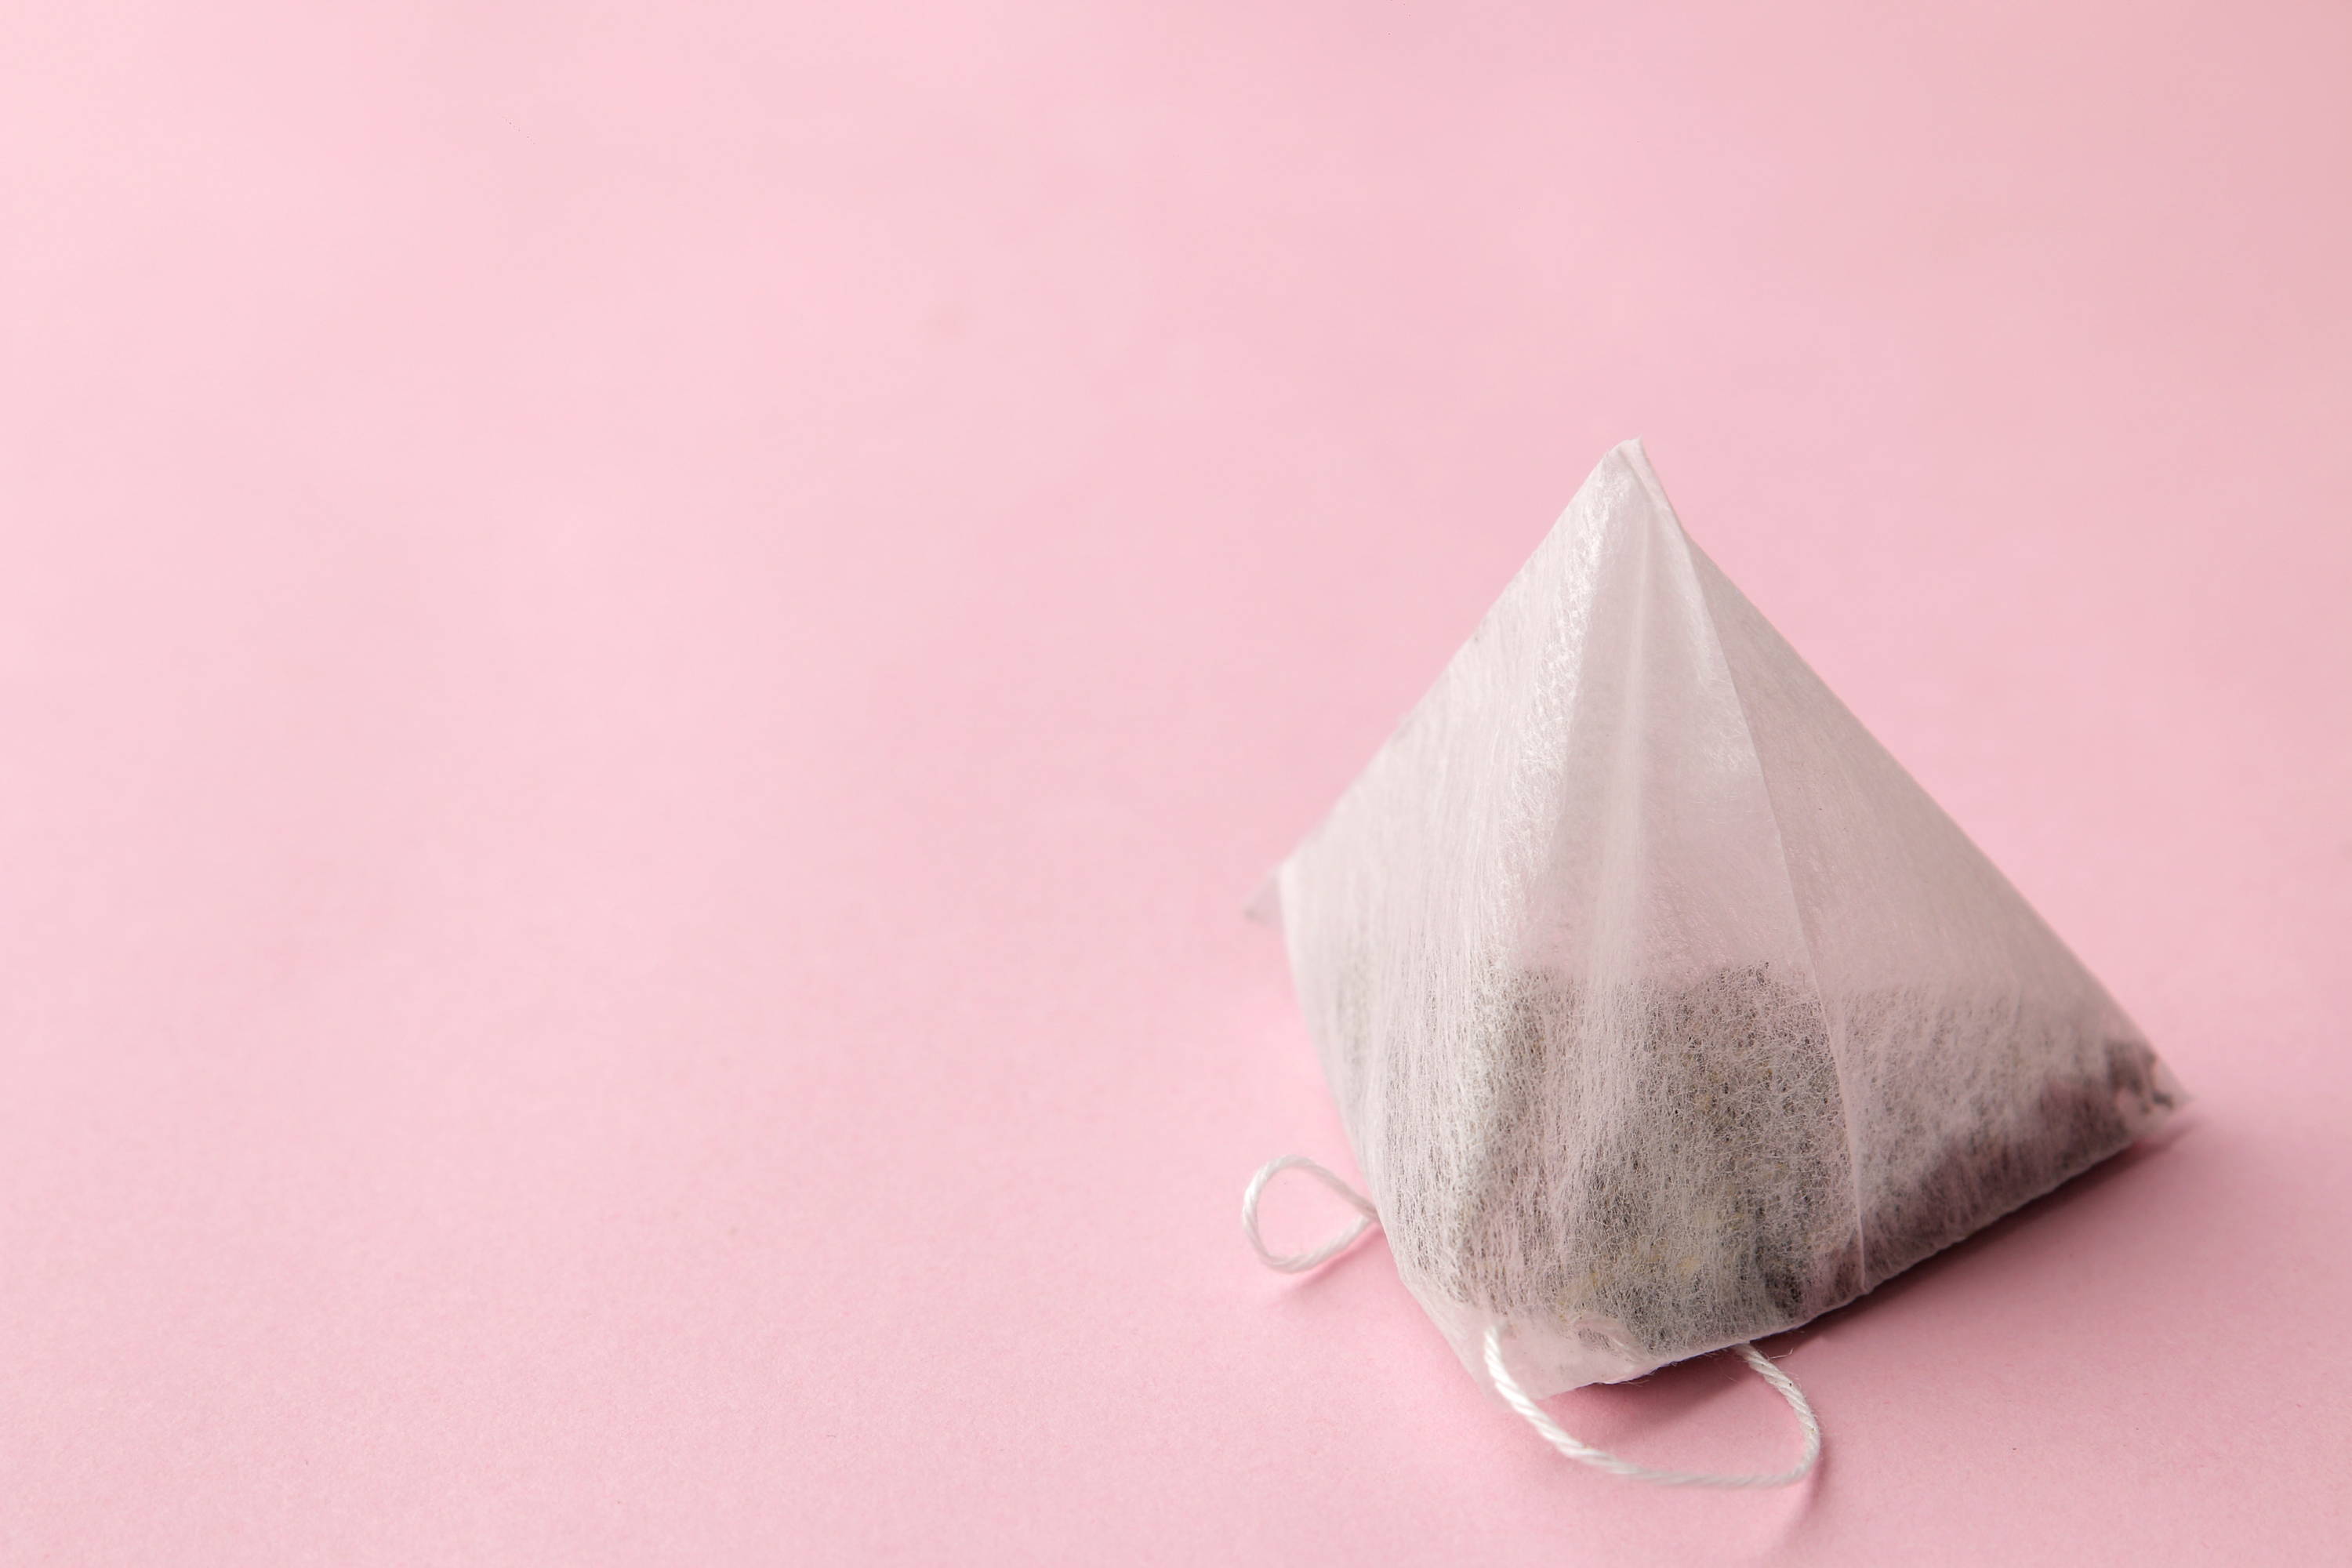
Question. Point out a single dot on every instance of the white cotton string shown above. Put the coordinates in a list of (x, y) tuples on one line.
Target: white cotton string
[(1505, 1383), (1301, 1262), (1585, 1454)]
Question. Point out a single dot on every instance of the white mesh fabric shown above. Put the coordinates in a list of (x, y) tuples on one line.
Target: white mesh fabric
[(1663, 1010)]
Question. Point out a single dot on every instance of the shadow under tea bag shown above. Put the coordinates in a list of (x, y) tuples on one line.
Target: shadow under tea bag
[(1663, 1009)]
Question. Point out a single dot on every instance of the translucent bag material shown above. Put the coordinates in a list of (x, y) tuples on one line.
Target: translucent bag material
[(1663, 1009)]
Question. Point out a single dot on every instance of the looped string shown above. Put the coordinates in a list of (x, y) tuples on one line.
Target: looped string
[(1599, 1459), (1300, 1263), (1500, 1374)]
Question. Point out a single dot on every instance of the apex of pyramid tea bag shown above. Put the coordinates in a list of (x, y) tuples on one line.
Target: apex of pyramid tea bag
[(1663, 1009)]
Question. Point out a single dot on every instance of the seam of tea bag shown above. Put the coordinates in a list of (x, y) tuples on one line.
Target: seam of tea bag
[(1299, 1263), (1833, 1026), (1600, 1458)]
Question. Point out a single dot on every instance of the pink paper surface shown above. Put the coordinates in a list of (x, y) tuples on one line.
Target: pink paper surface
[(647, 652)]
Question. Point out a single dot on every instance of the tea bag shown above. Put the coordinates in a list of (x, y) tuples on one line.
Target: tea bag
[(1663, 1009)]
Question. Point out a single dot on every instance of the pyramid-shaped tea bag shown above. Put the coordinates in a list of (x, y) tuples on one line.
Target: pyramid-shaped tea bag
[(1663, 1010)]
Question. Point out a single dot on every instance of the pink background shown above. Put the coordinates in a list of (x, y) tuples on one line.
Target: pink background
[(646, 653)]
